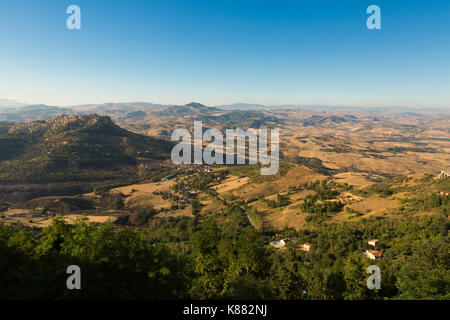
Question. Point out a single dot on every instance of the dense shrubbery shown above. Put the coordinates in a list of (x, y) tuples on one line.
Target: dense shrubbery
[(196, 206), (321, 203), (111, 201), (103, 188), (281, 201), (430, 202), (311, 206), (140, 215), (119, 264), (255, 217), (182, 258), (253, 172), (381, 189)]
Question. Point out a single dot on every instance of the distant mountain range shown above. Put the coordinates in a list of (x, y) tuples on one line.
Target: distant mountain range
[(16, 112), (243, 106)]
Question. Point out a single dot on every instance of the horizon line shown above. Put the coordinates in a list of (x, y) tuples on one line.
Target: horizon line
[(19, 103)]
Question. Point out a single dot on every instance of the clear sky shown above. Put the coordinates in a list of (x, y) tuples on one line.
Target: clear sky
[(226, 51)]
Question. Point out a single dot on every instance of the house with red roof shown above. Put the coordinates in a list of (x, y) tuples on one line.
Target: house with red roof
[(374, 254)]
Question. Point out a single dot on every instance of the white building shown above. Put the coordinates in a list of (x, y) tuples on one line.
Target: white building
[(373, 242)]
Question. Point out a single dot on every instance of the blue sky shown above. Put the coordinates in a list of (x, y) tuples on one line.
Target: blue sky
[(220, 52)]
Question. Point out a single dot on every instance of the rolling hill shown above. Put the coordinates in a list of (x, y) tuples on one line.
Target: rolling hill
[(75, 146)]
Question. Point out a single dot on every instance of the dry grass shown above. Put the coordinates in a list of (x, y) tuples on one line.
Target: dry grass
[(147, 188), (288, 217), (353, 178), (231, 183), (27, 218), (295, 176)]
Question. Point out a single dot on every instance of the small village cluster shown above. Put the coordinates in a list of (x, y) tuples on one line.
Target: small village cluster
[(306, 246), (373, 254), (283, 242)]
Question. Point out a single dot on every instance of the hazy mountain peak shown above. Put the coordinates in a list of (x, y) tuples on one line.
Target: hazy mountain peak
[(195, 105)]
